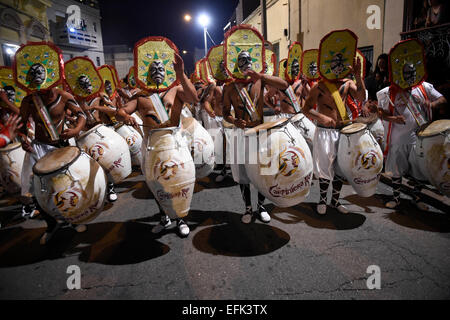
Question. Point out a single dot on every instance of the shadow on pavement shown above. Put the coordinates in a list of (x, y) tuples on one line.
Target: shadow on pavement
[(228, 236), (376, 201), (209, 182), (305, 212), (110, 243)]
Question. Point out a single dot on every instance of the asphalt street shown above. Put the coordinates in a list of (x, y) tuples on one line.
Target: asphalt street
[(298, 255)]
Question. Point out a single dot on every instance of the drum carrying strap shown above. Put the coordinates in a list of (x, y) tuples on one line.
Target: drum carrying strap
[(248, 103), (108, 102), (337, 100), (159, 107), (291, 95), (45, 117)]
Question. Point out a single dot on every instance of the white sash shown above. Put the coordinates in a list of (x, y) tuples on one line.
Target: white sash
[(159, 107)]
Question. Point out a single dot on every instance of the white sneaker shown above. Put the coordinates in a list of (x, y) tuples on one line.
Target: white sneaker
[(112, 196), (342, 209), (392, 204), (421, 205), (321, 209), (163, 224), (183, 228), (263, 215), (247, 217), (80, 228), (220, 178)]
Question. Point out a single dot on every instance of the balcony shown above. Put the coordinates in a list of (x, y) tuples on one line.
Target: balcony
[(74, 37)]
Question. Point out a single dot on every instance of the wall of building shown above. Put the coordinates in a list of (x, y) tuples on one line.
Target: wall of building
[(121, 57)]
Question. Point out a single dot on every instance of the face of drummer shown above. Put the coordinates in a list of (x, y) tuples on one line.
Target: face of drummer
[(337, 64), (108, 87), (85, 84), (244, 61), (36, 74), (157, 71), (295, 68), (10, 93), (409, 73), (222, 68)]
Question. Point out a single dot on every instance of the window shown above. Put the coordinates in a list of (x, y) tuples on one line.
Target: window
[(98, 62), (368, 53)]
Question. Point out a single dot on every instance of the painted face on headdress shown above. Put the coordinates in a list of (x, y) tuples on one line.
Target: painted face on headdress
[(10, 93), (157, 71), (132, 81), (409, 73), (295, 68), (312, 68), (84, 83), (244, 61), (337, 64), (36, 74), (108, 87)]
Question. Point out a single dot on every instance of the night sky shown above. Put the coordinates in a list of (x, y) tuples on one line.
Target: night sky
[(125, 22)]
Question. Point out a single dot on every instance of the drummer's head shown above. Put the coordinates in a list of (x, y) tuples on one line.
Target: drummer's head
[(244, 61), (10, 93), (157, 71), (36, 74), (337, 63), (108, 87), (409, 73), (295, 68), (85, 84), (222, 68), (312, 68)]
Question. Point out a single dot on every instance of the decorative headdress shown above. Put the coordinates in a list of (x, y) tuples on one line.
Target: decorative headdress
[(42, 55), (155, 50), (78, 67), (336, 53), (7, 79), (282, 69), (107, 73), (360, 56), (197, 75), (310, 65), (205, 71), (243, 40), (294, 57), (407, 64), (270, 66), (216, 63), (131, 79)]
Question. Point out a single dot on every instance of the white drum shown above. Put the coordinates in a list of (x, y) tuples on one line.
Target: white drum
[(169, 171), (70, 185), (306, 127), (377, 130), (201, 145), (109, 149), (134, 141), (360, 158), (283, 171), (11, 162), (433, 154)]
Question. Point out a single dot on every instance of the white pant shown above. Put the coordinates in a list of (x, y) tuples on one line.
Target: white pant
[(326, 143), (401, 160), (238, 150)]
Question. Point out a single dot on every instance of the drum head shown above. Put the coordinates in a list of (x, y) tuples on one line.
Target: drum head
[(297, 117), (265, 126), (10, 147), (56, 160), (187, 122), (435, 128), (84, 134), (353, 128)]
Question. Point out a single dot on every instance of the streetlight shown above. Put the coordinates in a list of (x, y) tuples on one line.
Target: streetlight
[(184, 51), (187, 17), (204, 20)]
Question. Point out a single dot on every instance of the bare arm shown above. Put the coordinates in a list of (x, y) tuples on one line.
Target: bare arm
[(189, 94), (76, 110), (358, 91), (309, 111)]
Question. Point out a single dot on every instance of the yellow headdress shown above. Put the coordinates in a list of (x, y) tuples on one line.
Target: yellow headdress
[(282, 69), (149, 50), (107, 73), (205, 71), (360, 56), (336, 53), (270, 59), (217, 63), (43, 54), (131, 78), (294, 55), (239, 39), (82, 66), (7, 79), (310, 64)]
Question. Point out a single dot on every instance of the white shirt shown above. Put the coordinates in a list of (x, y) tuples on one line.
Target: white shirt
[(406, 133)]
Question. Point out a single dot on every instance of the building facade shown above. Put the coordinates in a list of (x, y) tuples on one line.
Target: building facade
[(120, 57), (46, 20)]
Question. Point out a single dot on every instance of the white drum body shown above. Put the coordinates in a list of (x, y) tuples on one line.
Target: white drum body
[(284, 169), (377, 130), (134, 141), (361, 160), (433, 160), (306, 127), (11, 162), (201, 145), (75, 193), (169, 171), (109, 149)]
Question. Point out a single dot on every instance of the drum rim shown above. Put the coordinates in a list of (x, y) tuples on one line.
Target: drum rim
[(10, 147), (295, 115), (91, 130), (434, 134), (363, 127), (63, 167), (281, 122)]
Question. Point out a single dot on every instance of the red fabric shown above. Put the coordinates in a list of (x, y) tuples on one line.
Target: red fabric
[(4, 131), (353, 106)]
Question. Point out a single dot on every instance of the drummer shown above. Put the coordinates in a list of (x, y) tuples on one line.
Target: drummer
[(329, 122), (47, 107), (401, 137), (232, 97), (173, 101), (8, 131), (7, 98)]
